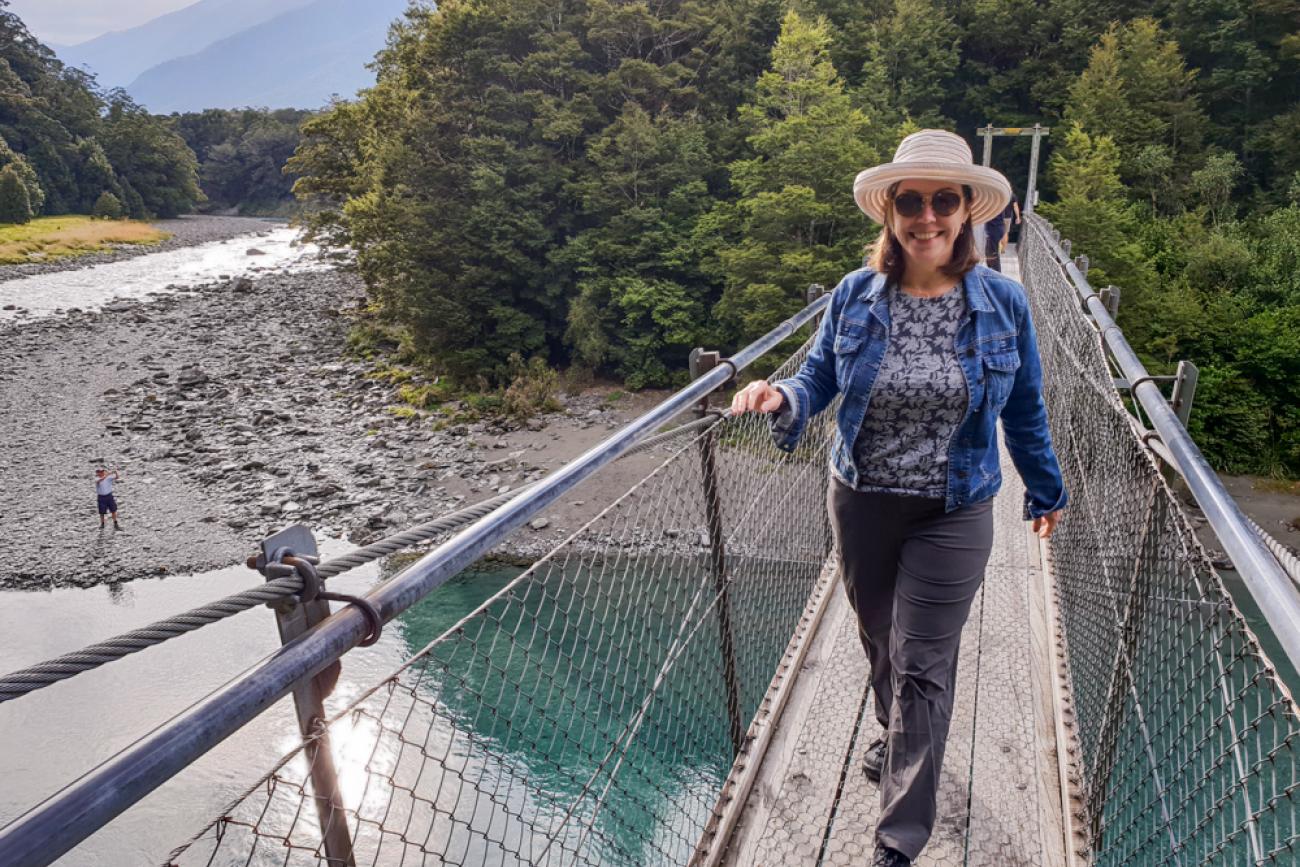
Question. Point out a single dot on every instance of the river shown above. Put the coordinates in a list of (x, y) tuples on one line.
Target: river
[(157, 273), (54, 736)]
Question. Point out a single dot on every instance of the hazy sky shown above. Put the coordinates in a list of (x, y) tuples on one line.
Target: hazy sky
[(67, 22)]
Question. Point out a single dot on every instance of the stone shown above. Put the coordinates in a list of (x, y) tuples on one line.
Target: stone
[(539, 523)]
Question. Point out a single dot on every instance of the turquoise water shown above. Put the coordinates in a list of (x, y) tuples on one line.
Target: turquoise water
[(548, 690), (544, 697), (534, 703)]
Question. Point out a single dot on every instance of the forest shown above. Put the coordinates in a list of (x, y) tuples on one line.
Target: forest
[(241, 154), (69, 147), (602, 185), (66, 147)]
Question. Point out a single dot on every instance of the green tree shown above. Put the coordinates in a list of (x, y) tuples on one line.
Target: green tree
[(1137, 90), (47, 112), (15, 206), (25, 172), (242, 156), (1092, 210), (795, 222), (462, 177), (1214, 182), (912, 60), (1236, 45), (1277, 158), (639, 308), (1152, 168), (107, 206), (330, 164), (150, 159)]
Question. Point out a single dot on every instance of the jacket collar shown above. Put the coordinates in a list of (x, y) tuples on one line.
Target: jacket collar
[(977, 298)]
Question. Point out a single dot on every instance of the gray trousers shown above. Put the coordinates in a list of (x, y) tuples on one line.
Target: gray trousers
[(910, 571)]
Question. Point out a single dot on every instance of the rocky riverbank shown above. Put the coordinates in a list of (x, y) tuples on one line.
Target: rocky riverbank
[(185, 231), (233, 411)]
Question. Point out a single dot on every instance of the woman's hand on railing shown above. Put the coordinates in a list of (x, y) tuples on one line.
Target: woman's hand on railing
[(758, 396), (1045, 525)]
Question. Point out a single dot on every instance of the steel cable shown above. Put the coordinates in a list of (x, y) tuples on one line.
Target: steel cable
[(1290, 563)]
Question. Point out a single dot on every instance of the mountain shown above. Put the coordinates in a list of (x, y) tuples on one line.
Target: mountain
[(296, 60), (118, 58)]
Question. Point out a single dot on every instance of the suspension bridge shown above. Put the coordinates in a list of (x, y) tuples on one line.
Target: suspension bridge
[(680, 682)]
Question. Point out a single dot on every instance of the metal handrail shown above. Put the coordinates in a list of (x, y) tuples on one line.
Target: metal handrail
[(1274, 592), (52, 828)]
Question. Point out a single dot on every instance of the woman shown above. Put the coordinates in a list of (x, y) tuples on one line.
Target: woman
[(928, 350)]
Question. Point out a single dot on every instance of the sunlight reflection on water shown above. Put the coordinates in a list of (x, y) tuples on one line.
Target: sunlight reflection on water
[(92, 287)]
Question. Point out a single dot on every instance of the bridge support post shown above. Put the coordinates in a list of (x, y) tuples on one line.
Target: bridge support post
[(1110, 296), (1037, 131), (294, 616), (1031, 189), (814, 291), (701, 362)]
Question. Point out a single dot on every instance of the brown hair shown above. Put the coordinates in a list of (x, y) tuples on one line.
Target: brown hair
[(885, 256)]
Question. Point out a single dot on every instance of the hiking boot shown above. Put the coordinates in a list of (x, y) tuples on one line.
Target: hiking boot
[(873, 762), (886, 857)]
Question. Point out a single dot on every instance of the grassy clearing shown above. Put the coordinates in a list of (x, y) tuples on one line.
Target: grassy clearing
[(47, 238)]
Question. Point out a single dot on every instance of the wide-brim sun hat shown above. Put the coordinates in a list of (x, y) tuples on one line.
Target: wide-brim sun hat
[(933, 155)]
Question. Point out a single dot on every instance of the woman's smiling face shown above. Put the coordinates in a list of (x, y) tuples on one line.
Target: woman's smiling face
[(927, 238)]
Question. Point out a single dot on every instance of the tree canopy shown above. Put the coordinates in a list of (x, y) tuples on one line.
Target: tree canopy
[(605, 183), (68, 142)]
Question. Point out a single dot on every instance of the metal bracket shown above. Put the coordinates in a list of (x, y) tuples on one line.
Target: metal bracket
[(1184, 388), (291, 550), (701, 361)]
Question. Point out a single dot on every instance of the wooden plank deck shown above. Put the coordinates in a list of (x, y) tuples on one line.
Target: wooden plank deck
[(1000, 795)]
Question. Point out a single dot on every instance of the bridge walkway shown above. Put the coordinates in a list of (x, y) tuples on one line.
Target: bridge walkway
[(1000, 796)]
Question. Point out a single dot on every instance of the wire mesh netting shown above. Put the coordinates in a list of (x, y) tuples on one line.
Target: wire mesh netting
[(1190, 743), (590, 711)]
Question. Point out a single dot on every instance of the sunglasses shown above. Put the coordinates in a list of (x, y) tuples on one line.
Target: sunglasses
[(910, 204)]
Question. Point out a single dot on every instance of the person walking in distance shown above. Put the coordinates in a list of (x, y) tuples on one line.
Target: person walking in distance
[(994, 239), (928, 351), (105, 500), (1011, 216)]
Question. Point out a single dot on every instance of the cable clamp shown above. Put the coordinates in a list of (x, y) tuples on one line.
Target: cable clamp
[(1134, 383), (366, 607), (313, 589)]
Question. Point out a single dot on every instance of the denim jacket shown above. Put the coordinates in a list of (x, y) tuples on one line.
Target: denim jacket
[(998, 354)]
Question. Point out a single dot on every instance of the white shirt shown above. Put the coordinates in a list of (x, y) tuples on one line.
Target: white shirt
[(104, 486)]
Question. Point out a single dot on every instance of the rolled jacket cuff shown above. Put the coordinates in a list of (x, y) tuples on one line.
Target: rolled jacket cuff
[(787, 425), (1033, 510)]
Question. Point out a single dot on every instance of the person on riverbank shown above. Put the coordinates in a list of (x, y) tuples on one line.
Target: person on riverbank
[(105, 500), (927, 350)]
